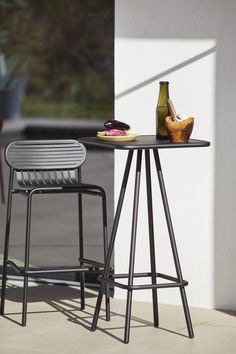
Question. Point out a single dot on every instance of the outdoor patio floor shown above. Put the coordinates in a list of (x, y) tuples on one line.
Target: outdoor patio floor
[(56, 325)]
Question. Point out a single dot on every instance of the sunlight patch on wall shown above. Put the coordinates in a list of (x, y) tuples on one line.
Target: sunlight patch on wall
[(189, 66)]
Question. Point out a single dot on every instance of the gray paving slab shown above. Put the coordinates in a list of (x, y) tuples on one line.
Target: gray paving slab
[(56, 325)]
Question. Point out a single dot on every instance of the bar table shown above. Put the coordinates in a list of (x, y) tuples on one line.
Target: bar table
[(143, 144)]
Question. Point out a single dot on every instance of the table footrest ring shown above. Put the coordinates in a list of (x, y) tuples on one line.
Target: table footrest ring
[(175, 282)]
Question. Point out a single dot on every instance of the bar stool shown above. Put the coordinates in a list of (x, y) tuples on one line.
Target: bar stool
[(47, 167)]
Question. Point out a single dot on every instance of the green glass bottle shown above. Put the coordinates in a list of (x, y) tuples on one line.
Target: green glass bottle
[(162, 111)]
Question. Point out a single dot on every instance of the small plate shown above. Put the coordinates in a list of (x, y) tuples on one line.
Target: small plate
[(118, 138)]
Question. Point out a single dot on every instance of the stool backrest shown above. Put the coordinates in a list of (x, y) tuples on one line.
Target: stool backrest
[(45, 162)]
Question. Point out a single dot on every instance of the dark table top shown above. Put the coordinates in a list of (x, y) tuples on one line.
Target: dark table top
[(145, 142)]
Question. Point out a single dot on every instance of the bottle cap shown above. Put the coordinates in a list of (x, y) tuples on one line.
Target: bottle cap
[(164, 82)]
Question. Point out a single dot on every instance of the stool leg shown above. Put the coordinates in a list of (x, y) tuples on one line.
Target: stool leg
[(1, 179), (81, 252), (6, 244), (112, 239), (105, 246), (26, 260), (173, 243), (151, 238), (133, 245)]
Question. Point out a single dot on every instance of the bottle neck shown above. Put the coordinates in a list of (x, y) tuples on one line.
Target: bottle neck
[(163, 94)]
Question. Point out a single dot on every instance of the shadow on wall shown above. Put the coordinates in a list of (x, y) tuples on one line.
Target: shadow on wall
[(202, 20), (159, 76)]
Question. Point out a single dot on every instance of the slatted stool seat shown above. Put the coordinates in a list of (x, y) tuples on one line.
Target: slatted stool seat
[(43, 167)]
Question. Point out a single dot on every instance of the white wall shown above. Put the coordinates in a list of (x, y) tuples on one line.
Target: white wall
[(184, 42)]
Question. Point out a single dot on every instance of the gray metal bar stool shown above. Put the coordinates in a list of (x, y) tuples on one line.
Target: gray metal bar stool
[(43, 167)]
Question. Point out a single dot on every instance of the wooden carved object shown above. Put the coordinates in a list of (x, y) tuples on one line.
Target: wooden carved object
[(180, 131)]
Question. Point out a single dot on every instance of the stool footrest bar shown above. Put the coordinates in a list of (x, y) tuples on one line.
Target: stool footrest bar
[(21, 271), (14, 266), (56, 270), (91, 262)]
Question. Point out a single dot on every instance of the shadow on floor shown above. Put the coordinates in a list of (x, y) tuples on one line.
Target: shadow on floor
[(231, 313), (45, 292), (66, 300), (85, 320)]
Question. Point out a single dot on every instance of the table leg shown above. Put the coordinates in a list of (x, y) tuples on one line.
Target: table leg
[(112, 239), (81, 252), (133, 245), (151, 237), (26, 257), (105, 249), (173, 242), (81, 246)]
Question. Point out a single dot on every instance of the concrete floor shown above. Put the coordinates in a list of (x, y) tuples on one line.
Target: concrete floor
[(56, 325)]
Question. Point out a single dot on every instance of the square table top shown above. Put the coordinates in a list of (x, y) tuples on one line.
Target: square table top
[(146, 142)]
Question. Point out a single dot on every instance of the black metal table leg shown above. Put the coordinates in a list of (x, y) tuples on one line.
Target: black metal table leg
[(26, 260), (151, 237), (112, 239), (81, 252), (81, 246), (105, 250), (173, 242), (133, 245)]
